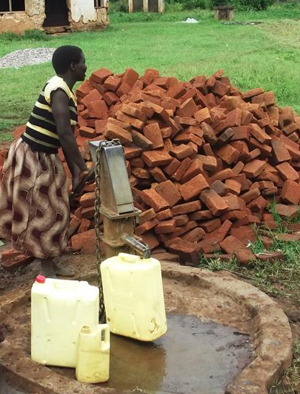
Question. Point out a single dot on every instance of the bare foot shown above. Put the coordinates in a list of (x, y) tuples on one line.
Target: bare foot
[(47, 268), (62, 271)]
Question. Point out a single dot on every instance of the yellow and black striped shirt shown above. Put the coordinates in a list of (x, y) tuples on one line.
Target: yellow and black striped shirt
[(41, 133)]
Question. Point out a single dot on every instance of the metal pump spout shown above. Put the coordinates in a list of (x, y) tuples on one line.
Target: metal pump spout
[(137, 245)]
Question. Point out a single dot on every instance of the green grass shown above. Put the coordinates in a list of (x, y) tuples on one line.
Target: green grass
[(263, 55)]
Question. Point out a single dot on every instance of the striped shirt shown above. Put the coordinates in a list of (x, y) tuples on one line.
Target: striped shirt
[(41, 132)]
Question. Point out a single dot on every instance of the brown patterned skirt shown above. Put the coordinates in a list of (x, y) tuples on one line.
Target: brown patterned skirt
[(34, 204)]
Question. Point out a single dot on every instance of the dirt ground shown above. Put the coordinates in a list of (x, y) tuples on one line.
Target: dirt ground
[(25, 276)]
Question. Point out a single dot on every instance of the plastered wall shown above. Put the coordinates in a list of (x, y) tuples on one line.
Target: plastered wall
[(82, 16)]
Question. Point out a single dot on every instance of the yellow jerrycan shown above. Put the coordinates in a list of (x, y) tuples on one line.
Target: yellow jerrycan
[(59, 309), (93, 354), (133, 297)]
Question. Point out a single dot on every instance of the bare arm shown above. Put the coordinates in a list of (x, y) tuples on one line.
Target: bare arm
[(61, 114)]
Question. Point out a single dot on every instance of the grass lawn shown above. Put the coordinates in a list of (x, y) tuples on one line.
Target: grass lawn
[(264, 55)]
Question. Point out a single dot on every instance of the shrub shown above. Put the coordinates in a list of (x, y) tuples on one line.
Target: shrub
[(256, 4)]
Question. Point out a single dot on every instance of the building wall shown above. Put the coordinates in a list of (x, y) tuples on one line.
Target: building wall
[(82, 16)]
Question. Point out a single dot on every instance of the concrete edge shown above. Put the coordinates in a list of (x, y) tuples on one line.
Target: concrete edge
[(270, 330)]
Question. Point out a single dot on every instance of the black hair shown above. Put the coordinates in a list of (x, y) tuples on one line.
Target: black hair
[(64, 56)]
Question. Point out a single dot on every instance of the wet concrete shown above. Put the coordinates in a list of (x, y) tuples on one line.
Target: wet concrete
[(194, 356)]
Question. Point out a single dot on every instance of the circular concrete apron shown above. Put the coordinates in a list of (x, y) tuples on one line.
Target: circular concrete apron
[(218, 297)]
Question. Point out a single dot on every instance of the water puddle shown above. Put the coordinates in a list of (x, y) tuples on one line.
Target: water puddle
[(192, 357)]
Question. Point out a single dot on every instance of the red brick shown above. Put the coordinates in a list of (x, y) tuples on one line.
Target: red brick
[(228, 154), (220, 188), (234, 215), (251, 93), (220, 89), (112, 83), (194, 235), (203, 115), (130, 76), (181, 170), (186, 251), (84, 226), (156, 158), (134, 111), (193, 187), (158, 174), (164, 215), (233, 186), (131, 152), (195, 168), (245, 234), (233, 202), (84, 242), (254, 168), (88, 212), (209, 134), (93, 95), (233, 246), (84, 89), (290, 192), (176, 91), (87, 200), (124, 88), (146, 226), (169, 192), (181, 220), (101, 75), (234, 117), (208, 246), (165, 227), (259, 134), (152, 132), (140, 140), (113, 131), (221, 175), (147, 215), (201, 215), (150, 239), (286, 211), (280, 152), (287, 172), (110, 98), (209, 163), (73, 226), (154, 200), (181, 151), (185, 208), (188, 108), (11, 260), (141, 173), (250, 195), (210, 225), (259, 204), (87, 132), (97, 109), (172, 167), (214, 202), (220, 233), (136, 123)]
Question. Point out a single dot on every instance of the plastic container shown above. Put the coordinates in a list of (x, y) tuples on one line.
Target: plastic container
[(133, 297), (93, 354), (59, 309)]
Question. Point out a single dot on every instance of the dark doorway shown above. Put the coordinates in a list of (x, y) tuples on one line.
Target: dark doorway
[(56, 13), (137, 5), (153, 5)]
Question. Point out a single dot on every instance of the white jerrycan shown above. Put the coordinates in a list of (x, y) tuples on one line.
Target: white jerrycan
[(133, 296), (59, 309), (93, 354)]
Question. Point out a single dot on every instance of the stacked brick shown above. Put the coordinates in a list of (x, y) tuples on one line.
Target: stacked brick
[(204, 159)]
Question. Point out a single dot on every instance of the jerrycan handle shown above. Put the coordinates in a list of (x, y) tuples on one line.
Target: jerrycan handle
[(129, 258)]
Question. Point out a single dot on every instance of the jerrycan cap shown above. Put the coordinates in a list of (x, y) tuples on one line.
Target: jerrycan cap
[(40, 279)]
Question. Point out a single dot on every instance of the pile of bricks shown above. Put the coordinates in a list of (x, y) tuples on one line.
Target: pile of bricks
[(204, 160)]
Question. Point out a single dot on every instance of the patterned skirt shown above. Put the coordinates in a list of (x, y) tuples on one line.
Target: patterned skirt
[(34, 203)]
